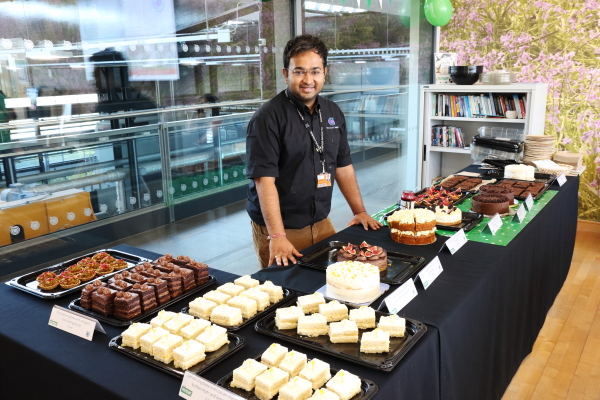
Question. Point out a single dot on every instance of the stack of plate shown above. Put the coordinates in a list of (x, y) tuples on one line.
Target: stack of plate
[(538, 147)]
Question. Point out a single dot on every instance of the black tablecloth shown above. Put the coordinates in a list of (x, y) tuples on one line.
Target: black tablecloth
[(39, 361)]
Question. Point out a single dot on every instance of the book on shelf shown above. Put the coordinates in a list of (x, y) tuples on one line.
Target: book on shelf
[(483, 105), (447, 136)]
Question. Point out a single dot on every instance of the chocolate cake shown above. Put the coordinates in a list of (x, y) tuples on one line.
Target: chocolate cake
[(166, 267), (188, 282), (127, 305), (173, 284), (160, 289), (147, 296), (103, 301), (119, 285), (364, 253), (200, 271), (151, 273), (86, 294), (135, 278), (521, 189), (490, 204), (502, 190)]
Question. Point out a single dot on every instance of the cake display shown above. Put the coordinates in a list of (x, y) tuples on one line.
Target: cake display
[(293, 363), (364, 253), (188, 354), (127, 306), (343, 332), (244, 377), (273, 355), (344, 384), (297, 388), (167, 263), (519, 171), (317, 372), (352, 281), (376, 341), (415, 227), (490, 204), (445, 215), (498, 189)]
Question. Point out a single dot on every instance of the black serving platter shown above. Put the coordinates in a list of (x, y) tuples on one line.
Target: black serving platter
[(288, 296), (469, 221), (399, 346), (546, 179), (368, 388), (29, 284), (75, 305), (401, 267), (236, 342)]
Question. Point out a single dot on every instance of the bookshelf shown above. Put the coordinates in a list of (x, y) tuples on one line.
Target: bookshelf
[(470, 100)]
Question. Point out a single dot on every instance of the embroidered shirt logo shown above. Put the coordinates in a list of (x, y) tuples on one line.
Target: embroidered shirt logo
[(331, 121)]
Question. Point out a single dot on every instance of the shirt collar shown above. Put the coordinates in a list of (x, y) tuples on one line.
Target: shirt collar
[(301, 105)]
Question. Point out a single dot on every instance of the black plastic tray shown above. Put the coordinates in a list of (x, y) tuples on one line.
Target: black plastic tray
[(236, 342), (368, 388), (350, 351), (29, 284), (546, 179), (288, 296), (75, 305), (401, 267)]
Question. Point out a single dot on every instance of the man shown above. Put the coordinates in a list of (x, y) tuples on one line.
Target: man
[(297, 146)]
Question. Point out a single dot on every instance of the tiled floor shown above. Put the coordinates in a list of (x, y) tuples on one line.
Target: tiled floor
[(222, 238)]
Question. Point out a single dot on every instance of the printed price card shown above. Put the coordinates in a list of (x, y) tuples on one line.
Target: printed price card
[(430, 272), (74, 323), (400, 297), (494, 224), (196, 388), (561, 179), (456, 241), (520, 215), (529, 202)]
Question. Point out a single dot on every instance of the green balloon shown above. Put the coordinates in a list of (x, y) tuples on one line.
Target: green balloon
[(404, 14), (438, 12)]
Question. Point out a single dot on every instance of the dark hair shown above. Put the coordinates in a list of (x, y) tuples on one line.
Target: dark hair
[(303, 43)]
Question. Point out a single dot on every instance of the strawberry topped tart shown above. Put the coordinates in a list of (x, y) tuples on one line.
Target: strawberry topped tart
[(364, 253)]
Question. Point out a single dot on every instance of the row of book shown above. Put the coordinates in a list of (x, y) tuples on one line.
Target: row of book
[(374, 104), (447, 136), (479, 105)]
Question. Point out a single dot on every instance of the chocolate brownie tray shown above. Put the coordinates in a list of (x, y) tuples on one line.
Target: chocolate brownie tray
[(399, 346), (288, 296), (236, 343), (29, 284), (75, 305), (469, 221), (368, 388), (546, 179), (401, 267)]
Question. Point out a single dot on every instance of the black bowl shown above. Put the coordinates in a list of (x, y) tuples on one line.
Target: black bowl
[(465, 75)]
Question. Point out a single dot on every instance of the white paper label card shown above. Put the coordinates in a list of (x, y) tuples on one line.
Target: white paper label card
[(456, 241), (561, 179), (494, 224), (529, 202), (430, 272), (196, 388), (74, 323), (400, 297), (520, 215)]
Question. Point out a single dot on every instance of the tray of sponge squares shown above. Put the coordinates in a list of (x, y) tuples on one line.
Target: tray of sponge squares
[(131, 296), (175, 343), (66, 277), (394, 268), (292, 376), (237, 304), (358, 334)]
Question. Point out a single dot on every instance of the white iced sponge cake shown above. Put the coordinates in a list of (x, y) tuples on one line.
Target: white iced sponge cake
[(324, 394), (244, 377), (162, 349), (310, 302), (261, 298), (393, 324), (175, 324), (273, 355), (287, 317), (312, 325), (131, 337), (217, 297), (194, 328), (333, 311), (296, 389), (519, 171), (226, 315), (161, 318), (317, 372), (363, 316), (275, 292), (213, 337), (201, 307), (293, 362), (246, 305), (376, 341), (150, 338), (344, 384), (188, 354), (343, 332), (231, 289), (269, 382), (246, 281), (352, 281)]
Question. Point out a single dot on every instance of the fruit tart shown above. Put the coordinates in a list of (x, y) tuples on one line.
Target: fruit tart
[(84, 262), (48, 283), (75, 269), (67, 280), (119, 265), (104, 269), (45, 275), (86, 274), (100, 256)]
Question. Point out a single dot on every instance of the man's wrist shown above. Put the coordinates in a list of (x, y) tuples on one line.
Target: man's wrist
[(360, 212), (276, 235)]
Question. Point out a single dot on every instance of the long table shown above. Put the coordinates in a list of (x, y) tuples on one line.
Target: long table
[(483, 314)]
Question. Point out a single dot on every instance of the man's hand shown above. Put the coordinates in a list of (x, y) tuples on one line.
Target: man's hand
[(281, 250), (365, 220)]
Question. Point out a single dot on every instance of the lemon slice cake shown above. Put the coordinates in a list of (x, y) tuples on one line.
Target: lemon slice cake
[(213, 338), (246, 281), (244, 377), (202, 307), (292, 363), (231, 289), (363, 316), (273, 355), (275, 292), (246, 305), (188, 354), (131, 337), (333, 311), (217, 297), (343, 332), (226, 315), (287, 317), (394, 325), (269, 382), (175, 324), (150, 338), (317, 372), (324, 394), (162, 349), (161, 318), (194, 328), (261, 298), (376, 341), (344, 384), (313, 325), (310, 302), (296, 389)]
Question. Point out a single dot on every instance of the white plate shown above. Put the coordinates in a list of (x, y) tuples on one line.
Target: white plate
[(383, 287)]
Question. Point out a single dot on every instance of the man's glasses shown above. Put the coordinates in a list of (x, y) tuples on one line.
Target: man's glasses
[(301, 72)]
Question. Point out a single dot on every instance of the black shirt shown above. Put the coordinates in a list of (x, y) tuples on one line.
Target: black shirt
[(279, 145)]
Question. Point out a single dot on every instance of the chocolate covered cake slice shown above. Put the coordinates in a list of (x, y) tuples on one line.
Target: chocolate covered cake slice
[(173, 284), (160, 289), (119, 285), (147, 297), (103, 301), (134, 278), (86, 294), (127, 306)]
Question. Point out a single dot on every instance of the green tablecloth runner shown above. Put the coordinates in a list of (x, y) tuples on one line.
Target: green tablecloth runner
[(503, 236)]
